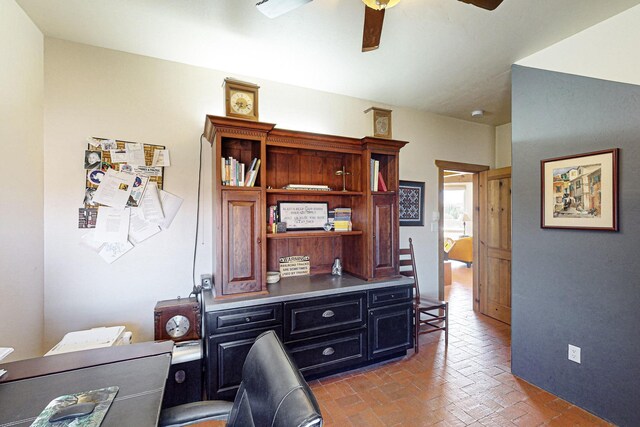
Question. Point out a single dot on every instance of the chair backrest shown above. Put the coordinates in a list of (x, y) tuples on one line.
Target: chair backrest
[(408, 267), (272, 392)]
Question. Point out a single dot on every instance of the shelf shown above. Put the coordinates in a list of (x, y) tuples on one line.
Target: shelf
[(312, 233), (382, 192), (315, 192), (238, 187)]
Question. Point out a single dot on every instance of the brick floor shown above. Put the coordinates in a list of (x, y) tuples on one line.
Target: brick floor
[(467, 384)]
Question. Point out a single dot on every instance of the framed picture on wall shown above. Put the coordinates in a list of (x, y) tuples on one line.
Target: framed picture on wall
[(580, 191), (411, 203)]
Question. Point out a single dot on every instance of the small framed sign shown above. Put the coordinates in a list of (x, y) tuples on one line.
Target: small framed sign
[(303, 215), (295, 266)]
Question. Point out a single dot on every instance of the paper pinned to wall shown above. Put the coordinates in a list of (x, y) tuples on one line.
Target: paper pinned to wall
[(151, 205), (89, 240), (136, 154), (112, 224), (113, 250), (114, 189), (161, 158), (170, 207), (139, 228)]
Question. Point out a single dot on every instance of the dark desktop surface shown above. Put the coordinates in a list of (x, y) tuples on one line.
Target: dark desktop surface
[(140, 372)]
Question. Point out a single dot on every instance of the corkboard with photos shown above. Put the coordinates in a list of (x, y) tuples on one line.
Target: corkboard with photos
[(104, 147)]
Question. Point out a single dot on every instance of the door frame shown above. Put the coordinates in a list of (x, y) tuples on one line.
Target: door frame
[(443, 165)]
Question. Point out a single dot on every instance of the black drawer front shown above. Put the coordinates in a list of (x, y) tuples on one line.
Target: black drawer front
[(319, 316), (329, 353), (241, 319), (393, 295), (225, 357)]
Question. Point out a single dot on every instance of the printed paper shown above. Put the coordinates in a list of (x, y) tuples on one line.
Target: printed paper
[(170, 207), (112, 224), (114, 189)]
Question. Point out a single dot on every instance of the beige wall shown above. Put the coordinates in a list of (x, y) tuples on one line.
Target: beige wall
[(503, 146), (608, 50), (105, 93), (21, 183)]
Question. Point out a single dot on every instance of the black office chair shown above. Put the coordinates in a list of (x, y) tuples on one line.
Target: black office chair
[(272, 393)]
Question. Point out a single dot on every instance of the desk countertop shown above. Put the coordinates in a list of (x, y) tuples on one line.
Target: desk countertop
[(290, 288), (139, 371)]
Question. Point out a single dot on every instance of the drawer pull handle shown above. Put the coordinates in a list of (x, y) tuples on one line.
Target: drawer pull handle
[(328, 351), (328, 314), (247, 319)]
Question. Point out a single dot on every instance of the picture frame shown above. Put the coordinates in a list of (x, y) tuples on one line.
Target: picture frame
[(303, 215), (411, 203), (580, 191)]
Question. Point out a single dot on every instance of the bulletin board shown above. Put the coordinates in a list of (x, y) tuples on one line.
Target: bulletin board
[(107, 163)]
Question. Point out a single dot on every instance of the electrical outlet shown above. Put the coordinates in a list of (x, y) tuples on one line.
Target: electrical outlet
[(574, 353), (206, 281)]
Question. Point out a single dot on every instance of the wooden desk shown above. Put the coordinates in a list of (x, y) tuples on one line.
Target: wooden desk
[(140, 370)]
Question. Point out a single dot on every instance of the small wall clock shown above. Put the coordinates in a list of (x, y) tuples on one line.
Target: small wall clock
[(381, 122), (241, 99), (177, 319)]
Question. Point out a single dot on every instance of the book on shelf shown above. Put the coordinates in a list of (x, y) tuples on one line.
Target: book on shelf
[(307, 187), (342, 214), (339, 225), (232, 172), (375, 169), (382, 186), (250, 181), (272, 218)]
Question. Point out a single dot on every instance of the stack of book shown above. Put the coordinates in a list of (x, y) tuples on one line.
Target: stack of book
[(376, 180), (233, 172), (306, 187), (342, 219), (272, 219)]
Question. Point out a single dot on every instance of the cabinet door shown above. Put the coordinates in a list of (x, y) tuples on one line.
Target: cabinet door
[(384, 233), (225, 357), (390, 330), (241, 242)]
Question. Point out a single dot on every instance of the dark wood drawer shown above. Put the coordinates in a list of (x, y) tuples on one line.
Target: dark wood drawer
[(393, 295), (332, 352), (319, 316), (242, 319)]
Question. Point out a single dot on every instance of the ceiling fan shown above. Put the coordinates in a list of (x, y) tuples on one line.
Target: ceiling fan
[(373, 15)]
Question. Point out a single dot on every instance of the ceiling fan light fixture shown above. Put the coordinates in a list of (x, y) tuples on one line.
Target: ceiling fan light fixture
[(380, 4)]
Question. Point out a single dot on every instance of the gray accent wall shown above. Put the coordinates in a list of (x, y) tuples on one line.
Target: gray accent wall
[(572, 286)]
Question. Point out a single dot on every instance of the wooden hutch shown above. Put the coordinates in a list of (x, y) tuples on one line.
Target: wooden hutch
[(244, 251)]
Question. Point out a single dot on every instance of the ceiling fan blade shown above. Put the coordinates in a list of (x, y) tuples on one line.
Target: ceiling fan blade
[(485, 4), (373, 20)]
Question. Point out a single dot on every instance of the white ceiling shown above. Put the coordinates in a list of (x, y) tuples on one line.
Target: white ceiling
[(442, 56)]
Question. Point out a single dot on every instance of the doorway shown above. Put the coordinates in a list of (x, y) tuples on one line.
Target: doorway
[(488, 235), (471, 171), (458, 228)]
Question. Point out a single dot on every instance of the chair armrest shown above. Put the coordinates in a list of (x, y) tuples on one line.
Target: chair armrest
[(189, 413)]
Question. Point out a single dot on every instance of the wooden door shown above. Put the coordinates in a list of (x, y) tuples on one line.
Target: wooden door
[(495, 244), (241, 242), (384, 234)]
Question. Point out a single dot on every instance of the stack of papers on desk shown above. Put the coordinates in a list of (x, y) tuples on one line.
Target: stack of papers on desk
[(86, 340), (4, 352)]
